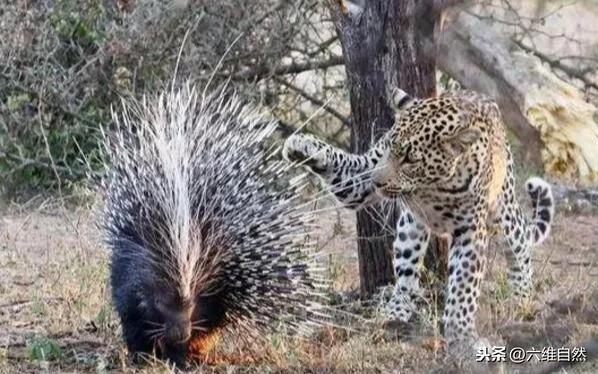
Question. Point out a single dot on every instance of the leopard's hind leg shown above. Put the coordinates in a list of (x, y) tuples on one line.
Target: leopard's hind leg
[(520, 232)]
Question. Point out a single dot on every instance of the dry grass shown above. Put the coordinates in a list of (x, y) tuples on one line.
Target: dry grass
[(55, 310)]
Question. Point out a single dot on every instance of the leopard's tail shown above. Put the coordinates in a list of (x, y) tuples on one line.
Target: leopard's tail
[(540, 193)]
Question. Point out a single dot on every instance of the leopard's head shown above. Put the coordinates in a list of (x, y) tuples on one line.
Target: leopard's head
[(421, 159)]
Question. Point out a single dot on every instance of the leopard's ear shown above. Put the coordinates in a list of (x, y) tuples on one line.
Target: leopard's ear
[(461, 141), (400, 99)]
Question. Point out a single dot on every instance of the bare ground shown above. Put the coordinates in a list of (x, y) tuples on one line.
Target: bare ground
[(55, 311)]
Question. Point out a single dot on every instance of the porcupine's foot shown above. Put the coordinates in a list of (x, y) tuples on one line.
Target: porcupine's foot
[(306, 149)]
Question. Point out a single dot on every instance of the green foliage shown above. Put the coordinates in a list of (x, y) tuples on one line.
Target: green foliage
[(57, 87), (65, 63), (16, 102), (82, 26), (52, 105), (104, 318), (38, 307), (502, 291), (43, 349)]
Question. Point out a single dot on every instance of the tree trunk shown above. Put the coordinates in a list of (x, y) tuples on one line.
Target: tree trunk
[(384, 46)]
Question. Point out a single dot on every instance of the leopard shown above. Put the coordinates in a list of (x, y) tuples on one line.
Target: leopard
[(447, 161)]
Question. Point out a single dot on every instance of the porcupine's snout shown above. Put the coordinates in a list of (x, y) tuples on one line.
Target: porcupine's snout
[(178, 330)]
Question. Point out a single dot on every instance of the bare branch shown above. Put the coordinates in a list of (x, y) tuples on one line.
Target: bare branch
[(260, 72), (315, 101), (557, 64)]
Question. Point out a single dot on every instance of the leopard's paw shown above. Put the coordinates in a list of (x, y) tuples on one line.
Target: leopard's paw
[(400, 307), (306, 150)]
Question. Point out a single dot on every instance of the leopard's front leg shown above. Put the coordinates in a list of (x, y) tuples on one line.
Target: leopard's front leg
[(410, 245), (347, 176), (467, 257)]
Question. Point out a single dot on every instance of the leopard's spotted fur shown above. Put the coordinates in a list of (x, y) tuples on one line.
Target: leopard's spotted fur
[(448, 158)]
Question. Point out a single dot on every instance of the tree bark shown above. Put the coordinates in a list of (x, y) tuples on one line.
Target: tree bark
[(384, 44)]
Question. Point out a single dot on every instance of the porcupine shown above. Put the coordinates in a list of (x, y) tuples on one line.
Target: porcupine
[(201, 241)]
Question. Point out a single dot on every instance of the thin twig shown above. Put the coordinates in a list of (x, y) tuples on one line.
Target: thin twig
[(314, 100), (261, 72)]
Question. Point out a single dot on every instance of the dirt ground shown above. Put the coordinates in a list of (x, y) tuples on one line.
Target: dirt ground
[(56, 315)]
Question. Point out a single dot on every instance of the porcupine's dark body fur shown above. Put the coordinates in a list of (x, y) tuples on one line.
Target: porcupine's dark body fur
[(200, 241)]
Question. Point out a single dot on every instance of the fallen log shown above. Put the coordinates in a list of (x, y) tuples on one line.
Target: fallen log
[(548, 115)]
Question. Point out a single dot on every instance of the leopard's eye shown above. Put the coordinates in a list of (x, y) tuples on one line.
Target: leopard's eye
[(406, 156), (400, 150)]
